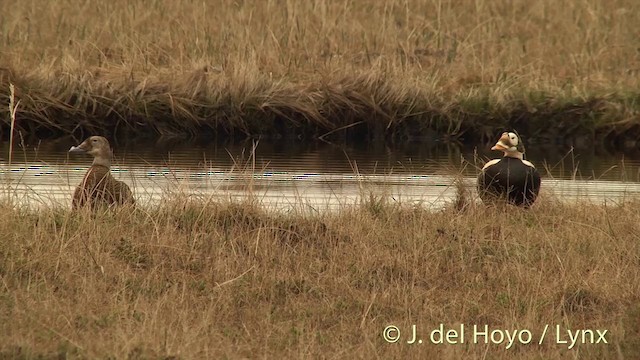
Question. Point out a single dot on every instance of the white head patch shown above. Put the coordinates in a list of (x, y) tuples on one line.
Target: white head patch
[(509, 140), (513, 138)]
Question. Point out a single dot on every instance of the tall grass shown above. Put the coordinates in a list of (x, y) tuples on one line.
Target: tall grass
[(192, 279), (13, 108), (395, 69)]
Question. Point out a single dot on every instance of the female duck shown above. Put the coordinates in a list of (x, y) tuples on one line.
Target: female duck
[(99, 187), (510, 178)]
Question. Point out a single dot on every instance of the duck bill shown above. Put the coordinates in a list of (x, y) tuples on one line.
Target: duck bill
[(499, 147), (77, 150)]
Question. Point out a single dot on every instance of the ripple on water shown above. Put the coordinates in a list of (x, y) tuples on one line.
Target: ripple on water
[(318, 175), (39, 184)]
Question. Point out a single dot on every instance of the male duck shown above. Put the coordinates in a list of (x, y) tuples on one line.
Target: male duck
[(510, 178), (99, 187)]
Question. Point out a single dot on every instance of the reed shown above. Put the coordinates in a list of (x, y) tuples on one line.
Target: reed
[(13, 108), (397, 70)]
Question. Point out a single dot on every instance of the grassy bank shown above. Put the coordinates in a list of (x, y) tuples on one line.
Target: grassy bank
[(229, 280), (340, 70)]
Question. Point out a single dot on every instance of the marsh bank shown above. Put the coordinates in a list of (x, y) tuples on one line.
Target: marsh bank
[(358, 108)]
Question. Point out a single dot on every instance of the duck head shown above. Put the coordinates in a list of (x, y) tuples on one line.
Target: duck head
[(96, 146), (510, 145)]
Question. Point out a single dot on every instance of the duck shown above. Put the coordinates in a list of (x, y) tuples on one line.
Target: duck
[(99, 187), (510, 178)]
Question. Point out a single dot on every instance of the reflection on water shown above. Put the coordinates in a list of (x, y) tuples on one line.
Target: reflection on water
[(317, 175)]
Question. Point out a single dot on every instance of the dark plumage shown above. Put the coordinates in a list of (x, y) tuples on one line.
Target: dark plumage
[(99, 187), (510, 178)]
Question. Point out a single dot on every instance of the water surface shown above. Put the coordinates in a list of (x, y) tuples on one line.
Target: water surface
[(312, 175)]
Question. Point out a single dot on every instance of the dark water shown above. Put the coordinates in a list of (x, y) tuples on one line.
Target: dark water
[(312, 174)]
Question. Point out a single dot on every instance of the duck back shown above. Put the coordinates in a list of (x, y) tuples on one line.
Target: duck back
[(509, 179), (100, 188)]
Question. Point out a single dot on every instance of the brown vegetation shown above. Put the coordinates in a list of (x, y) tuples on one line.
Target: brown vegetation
[(193, 279), (338, 70)]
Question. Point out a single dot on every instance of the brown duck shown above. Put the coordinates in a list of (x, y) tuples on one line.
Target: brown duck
[(99, 187)]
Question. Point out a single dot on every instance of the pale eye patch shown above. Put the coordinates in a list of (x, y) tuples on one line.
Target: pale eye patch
[(513, 138)]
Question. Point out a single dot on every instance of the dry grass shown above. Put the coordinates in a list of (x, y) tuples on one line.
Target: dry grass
[(343, 69), (231, 280)]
